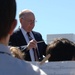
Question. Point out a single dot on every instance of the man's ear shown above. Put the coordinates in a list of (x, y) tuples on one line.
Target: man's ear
[(13, 26), (20, 20)]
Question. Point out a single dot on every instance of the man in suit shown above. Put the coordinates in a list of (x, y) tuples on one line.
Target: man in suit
[(20, 37)]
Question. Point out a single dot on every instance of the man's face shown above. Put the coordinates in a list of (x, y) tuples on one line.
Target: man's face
[(28, 22)]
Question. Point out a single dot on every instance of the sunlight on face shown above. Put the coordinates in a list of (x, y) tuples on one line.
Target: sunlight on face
[(28, 22)]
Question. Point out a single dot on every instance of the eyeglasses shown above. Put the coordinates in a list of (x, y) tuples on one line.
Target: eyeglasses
[(30, 21)]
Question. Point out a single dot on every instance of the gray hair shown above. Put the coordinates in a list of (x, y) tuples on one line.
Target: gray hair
[(24, 12)]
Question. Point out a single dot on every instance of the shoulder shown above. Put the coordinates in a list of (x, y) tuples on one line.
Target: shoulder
[(16, 33), (36, 33), (27, 66)]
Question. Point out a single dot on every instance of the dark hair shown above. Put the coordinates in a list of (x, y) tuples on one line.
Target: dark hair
[(7, 16), (61, 49)]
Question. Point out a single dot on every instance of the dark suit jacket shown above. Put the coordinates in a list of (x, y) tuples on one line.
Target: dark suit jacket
[(17, 39)]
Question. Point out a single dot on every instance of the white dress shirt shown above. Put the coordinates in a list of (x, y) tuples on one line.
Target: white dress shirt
[(13, 66), (27, 40)]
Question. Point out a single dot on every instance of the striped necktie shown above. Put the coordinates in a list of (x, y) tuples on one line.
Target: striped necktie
[(34, 50)]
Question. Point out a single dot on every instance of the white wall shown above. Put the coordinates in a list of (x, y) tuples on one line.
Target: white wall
[(50, 37)]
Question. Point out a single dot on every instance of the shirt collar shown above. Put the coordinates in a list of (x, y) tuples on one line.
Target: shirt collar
[(5, 49), (24, 32)]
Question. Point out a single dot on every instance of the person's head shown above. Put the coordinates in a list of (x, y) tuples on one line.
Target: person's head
[(27, 19), (7, 17), (16, 52), (61, 49)]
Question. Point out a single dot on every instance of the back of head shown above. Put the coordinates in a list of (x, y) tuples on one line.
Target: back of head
[(7, 16), (61, 49)]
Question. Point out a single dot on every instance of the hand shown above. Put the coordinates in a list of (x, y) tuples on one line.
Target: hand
[(32, 44)]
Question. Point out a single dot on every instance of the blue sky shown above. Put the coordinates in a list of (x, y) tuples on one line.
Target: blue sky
[(53, 16)]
